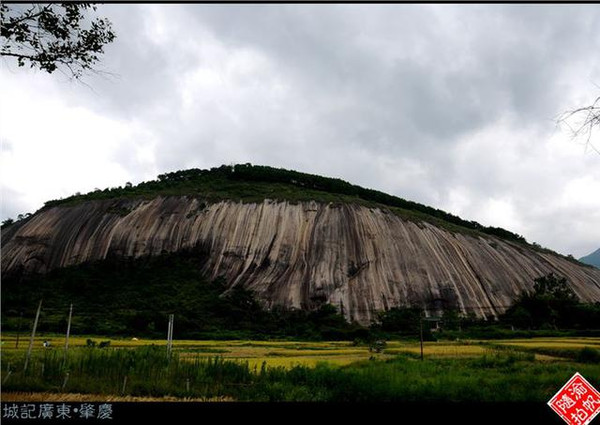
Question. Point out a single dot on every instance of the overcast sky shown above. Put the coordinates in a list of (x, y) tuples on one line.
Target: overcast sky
[(449, 105)]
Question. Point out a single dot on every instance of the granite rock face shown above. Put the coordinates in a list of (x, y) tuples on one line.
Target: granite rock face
[(302, 255)]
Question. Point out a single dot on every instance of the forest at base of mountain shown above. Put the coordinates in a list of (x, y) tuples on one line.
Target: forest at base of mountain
[(133, 297)]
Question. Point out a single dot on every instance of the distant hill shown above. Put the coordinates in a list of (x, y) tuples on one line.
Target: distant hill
[(593, 259)]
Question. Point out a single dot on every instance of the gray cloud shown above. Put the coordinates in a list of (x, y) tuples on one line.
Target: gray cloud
[(450, 105), (13, 203)]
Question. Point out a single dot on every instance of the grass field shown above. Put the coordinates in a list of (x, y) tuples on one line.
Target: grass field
[(274, 353), (292, 353), (499, 370)]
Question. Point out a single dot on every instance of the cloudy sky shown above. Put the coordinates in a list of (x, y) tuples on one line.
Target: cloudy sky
[(453, 106)]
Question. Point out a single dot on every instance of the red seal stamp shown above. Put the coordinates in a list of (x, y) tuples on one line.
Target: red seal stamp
[(577, 402)]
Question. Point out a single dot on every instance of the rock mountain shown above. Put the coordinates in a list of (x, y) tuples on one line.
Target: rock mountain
[(296, 242)]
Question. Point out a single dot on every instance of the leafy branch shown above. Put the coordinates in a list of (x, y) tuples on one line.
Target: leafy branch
[(54, 37)]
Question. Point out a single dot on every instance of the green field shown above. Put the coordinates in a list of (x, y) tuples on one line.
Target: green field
[(499, 370)]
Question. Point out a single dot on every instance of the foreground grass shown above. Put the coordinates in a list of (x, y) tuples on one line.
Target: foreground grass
[(78, 397), (497, 375)]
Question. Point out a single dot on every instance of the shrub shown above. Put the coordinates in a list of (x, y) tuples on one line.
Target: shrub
[(588, 355)]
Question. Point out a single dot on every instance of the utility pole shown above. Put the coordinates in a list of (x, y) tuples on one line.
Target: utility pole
[(421, 334), (37, 316), (19, 329), (68, 331), (170, 335)]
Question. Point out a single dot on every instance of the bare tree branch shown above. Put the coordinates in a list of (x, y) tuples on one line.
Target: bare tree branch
[(582, 123)]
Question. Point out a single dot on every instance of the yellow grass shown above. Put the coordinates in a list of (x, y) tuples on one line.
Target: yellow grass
[(546, 358), (442, 350), (565, 343), (284, 353), (289, 362)]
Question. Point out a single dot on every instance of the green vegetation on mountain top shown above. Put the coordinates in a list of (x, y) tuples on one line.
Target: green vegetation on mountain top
[(252, 183)]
